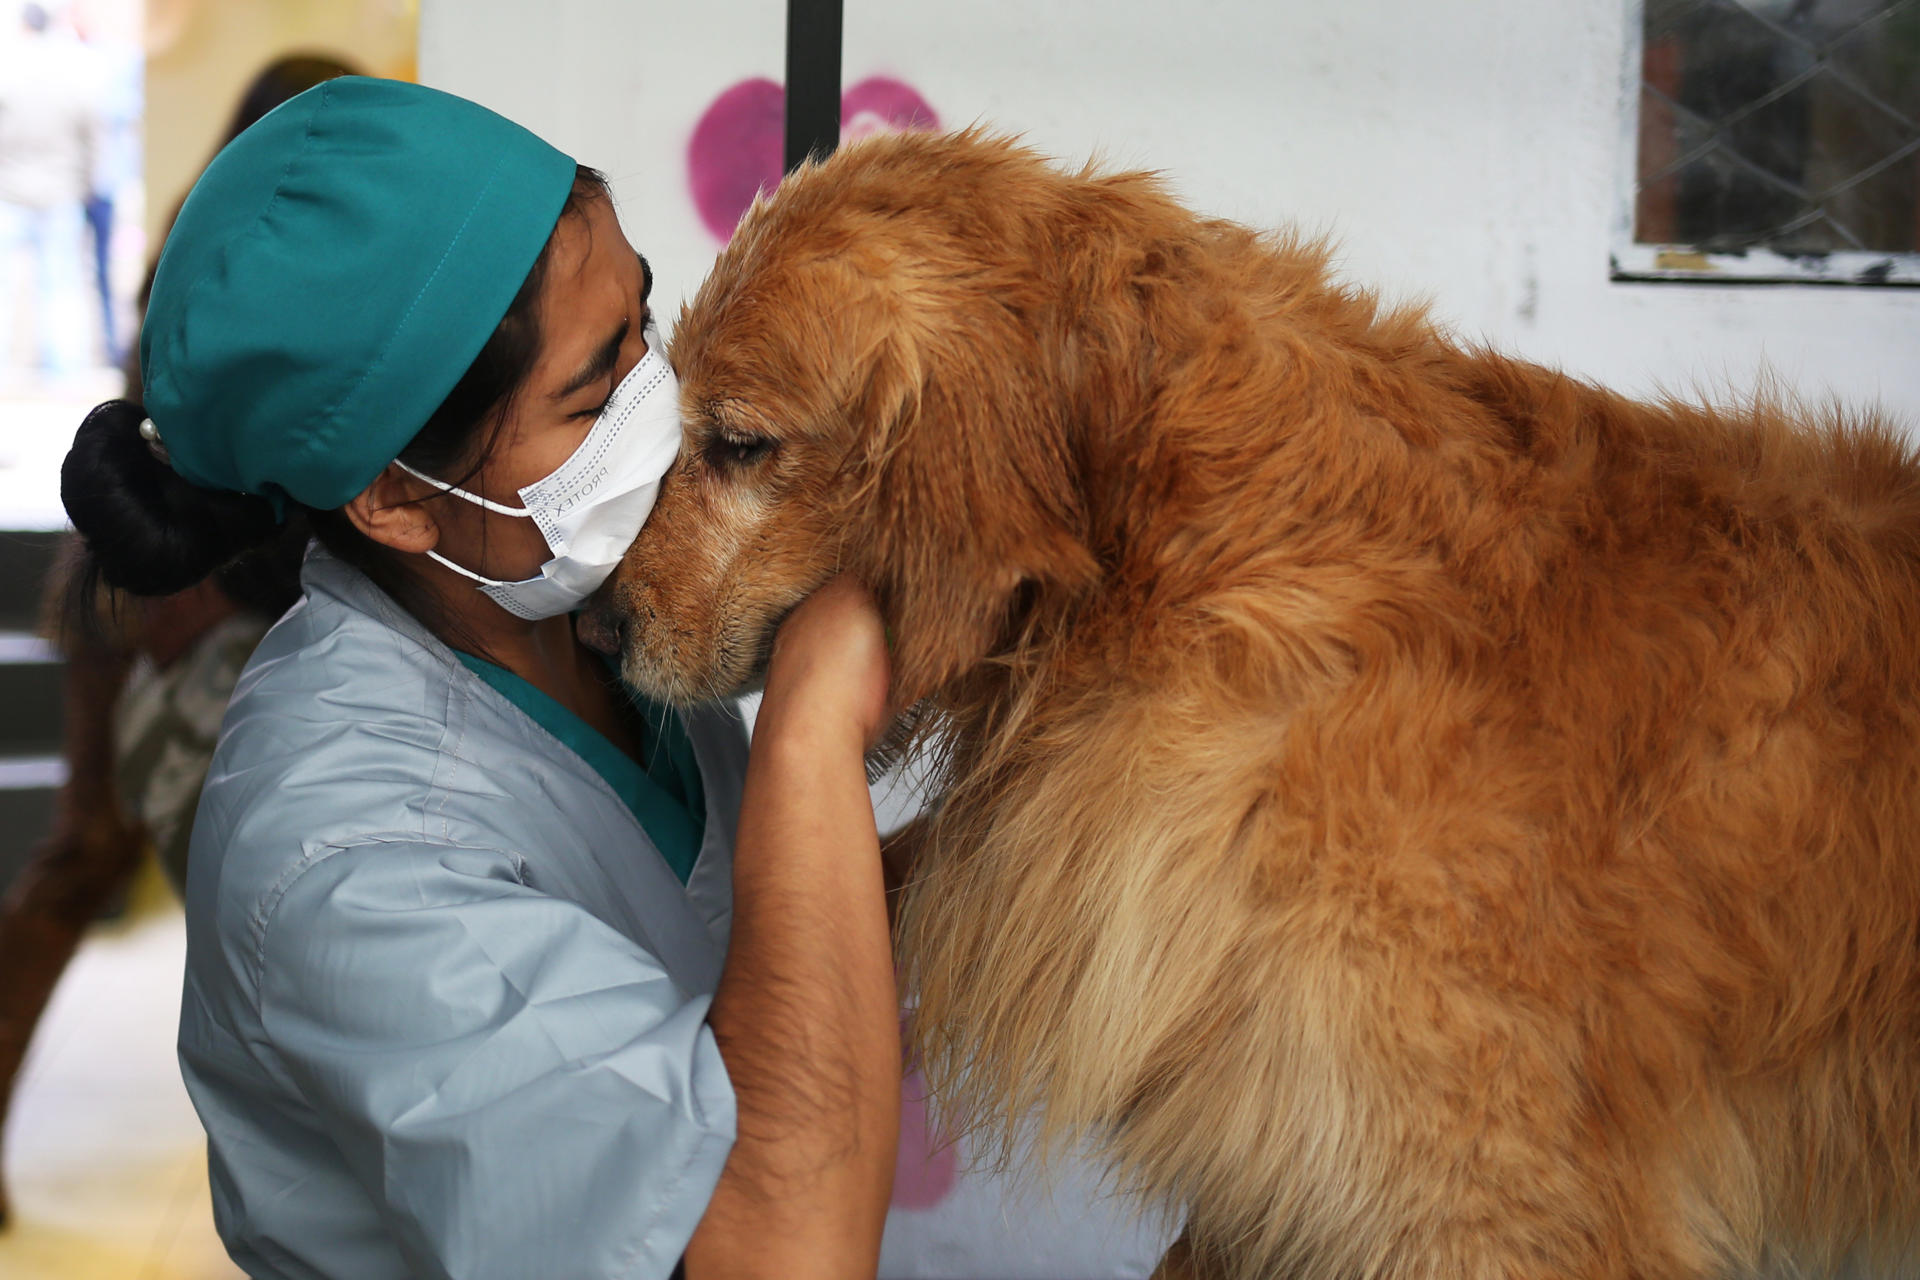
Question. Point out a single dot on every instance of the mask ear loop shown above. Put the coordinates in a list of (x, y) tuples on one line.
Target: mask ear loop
[(469, 574), (519, 512), (489, 504)]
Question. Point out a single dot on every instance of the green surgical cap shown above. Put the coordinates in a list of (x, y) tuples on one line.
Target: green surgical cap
[(331, 277)]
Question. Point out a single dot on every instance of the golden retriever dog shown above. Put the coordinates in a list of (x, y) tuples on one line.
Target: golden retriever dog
[(1423, 815)]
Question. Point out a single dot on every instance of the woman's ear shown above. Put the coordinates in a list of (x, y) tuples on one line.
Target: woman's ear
[(391, 512)]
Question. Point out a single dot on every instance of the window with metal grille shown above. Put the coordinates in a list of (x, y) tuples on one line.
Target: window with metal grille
[(1773, 140)]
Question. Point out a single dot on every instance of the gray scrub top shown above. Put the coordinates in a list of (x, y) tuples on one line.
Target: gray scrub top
[(445, 1004)]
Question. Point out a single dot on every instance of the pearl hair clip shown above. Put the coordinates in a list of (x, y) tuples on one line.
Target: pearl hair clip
[(151, 434)]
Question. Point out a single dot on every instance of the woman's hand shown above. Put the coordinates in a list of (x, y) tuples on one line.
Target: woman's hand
[(807, 1014), (828, 674)]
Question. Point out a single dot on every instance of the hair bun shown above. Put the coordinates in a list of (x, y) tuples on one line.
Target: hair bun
[(148, 531)]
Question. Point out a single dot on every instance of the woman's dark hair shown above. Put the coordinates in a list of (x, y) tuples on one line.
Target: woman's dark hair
[(150, 533), (281, 79)]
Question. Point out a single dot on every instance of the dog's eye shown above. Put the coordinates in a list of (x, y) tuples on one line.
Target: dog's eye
[(738, 450)]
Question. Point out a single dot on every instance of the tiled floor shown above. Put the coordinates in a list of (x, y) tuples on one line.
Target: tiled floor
[(105, 1161)]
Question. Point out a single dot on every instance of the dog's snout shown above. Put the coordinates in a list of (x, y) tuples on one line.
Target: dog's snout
[(600, 629)]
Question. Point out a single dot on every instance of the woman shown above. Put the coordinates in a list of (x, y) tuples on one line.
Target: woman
[(461, 998)]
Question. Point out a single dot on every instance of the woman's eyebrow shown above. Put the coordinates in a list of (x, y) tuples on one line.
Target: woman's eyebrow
[(646, 272), (598, 367)]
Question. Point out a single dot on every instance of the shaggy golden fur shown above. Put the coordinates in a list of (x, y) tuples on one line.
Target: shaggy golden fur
[(1428, 816)]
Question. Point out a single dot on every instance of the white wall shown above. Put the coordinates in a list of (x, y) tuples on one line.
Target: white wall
[(1464, 154)]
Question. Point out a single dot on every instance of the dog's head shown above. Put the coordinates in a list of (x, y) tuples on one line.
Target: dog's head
[(873, 379)]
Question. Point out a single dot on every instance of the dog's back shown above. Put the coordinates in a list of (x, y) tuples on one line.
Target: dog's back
[(1698, 685)]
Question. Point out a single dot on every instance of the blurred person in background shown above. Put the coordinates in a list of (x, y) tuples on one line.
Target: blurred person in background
[(145, 690), (116, 162), (51, 90)]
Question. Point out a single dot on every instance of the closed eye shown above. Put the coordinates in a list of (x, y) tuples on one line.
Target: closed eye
[(734, 451), (646, 327)]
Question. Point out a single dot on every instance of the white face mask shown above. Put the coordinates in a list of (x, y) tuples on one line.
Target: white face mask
[(592, 507)]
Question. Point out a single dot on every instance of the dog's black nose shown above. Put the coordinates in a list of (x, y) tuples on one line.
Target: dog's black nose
[(599, 629)]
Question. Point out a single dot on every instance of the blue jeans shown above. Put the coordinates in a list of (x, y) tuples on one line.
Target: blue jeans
[(99, 211), (48, 248)]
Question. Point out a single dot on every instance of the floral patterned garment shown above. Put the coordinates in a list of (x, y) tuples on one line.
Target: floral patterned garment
[(164, 728)]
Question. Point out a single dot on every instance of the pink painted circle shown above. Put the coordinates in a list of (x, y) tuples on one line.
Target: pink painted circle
[(928, 1165), (735, 151)]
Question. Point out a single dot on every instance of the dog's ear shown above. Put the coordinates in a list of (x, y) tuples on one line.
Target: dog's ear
[(970, 510)]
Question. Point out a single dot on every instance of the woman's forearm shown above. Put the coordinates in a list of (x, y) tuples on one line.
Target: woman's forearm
[(806, 1016)]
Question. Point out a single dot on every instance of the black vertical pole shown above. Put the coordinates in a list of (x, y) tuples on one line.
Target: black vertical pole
[(813, 79)]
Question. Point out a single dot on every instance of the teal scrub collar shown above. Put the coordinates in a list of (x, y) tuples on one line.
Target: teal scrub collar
[(329, 279)]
